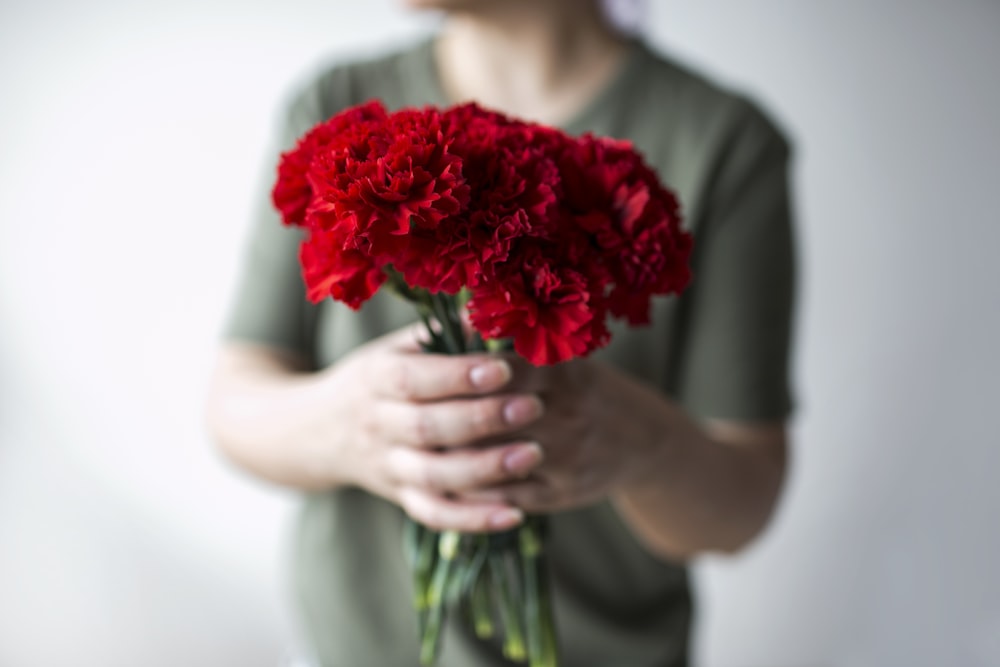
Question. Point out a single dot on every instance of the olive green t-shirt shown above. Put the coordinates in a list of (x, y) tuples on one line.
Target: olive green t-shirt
[(720, 350)]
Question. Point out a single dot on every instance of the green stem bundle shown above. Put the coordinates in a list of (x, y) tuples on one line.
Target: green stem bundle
[(497, 577), (500, 577)]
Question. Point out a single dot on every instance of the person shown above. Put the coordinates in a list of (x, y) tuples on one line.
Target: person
[(669, 443)]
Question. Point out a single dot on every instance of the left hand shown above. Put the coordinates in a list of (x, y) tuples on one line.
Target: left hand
[(601, 430)]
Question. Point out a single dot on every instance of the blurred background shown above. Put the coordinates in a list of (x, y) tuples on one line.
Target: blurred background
[(131, 139)]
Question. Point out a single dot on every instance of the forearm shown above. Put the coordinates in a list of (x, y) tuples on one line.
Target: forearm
[(704, 487), (261, 413)]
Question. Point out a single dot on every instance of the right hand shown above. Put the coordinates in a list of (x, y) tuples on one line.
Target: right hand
[(419, 428)]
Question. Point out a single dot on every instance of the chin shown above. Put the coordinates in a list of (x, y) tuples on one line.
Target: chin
[(446, 5), (434, 4)]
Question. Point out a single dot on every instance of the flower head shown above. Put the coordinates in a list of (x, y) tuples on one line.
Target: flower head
[(551, 234)]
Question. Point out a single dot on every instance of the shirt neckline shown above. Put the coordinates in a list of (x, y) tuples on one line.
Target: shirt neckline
[(585, 117)]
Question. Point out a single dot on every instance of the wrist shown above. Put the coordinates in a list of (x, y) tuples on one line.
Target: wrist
[(265, 415)]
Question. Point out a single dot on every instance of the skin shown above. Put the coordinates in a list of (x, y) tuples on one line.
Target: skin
[(471, 443), (537, 60)]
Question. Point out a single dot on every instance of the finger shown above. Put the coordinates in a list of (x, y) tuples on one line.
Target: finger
[(440, 513), (405, 339), (461, 470), (531, 495), (455, 423), (432, 377)]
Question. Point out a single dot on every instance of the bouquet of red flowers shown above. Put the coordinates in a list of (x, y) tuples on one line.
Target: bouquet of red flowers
[(541, 236)]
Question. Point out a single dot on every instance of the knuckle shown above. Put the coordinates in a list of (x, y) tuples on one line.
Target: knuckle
[(467, 472), (486, 417), (401, 381), (395, 465), (427, 474), (369, 420), (423, 426), (491, 468)]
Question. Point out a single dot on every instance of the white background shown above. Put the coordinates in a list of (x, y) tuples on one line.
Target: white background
[(131, 138)]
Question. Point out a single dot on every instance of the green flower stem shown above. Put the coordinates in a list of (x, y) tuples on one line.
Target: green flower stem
[(481, 605), (505, 588), (538, 609), (469, 564), (476, 594), (499, 344), (479, 547), (451, 309), (447, 552), (413, 534), (550, 652), (451, 325), (436, 343), (424, 552), (426, 555), (476, 343), (530, 548), (462, 298)]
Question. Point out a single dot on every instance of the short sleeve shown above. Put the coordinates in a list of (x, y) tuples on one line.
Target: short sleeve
[(737, 315), (269, 304)]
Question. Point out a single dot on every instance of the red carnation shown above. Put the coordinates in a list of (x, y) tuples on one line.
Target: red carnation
[(551, 234), (293, 192), (331, 268), (542, 308), (633, 220)]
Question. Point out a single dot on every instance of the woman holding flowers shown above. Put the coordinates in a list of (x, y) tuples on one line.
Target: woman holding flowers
[(667, 443)]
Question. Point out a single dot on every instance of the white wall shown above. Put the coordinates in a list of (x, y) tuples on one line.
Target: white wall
[(130, 138), (886, 551)]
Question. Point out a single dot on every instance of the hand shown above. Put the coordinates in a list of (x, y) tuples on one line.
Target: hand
[(601, 431), (413, 428)]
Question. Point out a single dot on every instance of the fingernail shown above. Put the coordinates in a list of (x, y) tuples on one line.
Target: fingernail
[(523, 460), (490, 375), (522, 410), (506, 518)]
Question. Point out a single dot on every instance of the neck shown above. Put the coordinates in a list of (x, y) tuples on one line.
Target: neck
[(538, 60)]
